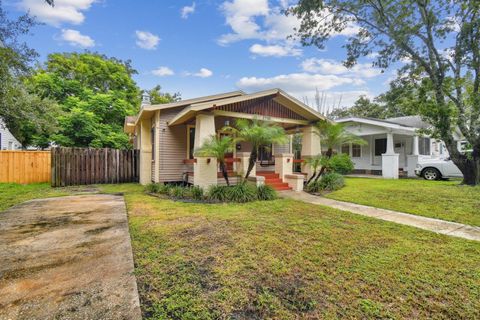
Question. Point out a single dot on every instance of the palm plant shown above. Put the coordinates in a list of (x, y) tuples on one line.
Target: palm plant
[(257, 133), (314, 162), (217, 147), (331, 135)]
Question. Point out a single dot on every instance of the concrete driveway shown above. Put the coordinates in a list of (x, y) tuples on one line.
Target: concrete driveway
[(67, 258)]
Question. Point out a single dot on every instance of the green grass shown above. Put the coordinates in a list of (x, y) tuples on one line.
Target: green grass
[(13, 193), (447, 200), (284, 259)]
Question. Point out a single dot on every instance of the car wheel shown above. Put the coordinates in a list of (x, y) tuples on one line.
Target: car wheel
[(431, 174)]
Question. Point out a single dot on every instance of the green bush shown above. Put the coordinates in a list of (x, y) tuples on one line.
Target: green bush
[(328, 182), (266, 192), (340, 163), (242, 192), (152, 187), (196, 192), (164, 189), (218, 193), (178, 192)]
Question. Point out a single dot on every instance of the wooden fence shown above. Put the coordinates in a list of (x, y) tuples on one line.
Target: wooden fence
[(76, 166), (24, 166)]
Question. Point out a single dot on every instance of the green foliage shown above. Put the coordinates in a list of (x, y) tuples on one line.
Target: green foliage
[(334, 134), (340, 163), (218, 193), (217, 147), (328, 182), (242, 192), (152, 187), (178, 192), (197, 193), (266, 192), (159, 97)]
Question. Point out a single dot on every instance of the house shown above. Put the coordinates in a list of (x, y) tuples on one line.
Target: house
[(168, 134), (7, 140), (394, 146)]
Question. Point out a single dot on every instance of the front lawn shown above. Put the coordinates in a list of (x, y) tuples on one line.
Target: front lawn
[(14, 193), (288, 260), (445, 200)]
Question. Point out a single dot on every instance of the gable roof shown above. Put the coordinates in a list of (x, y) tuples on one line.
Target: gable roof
[(277, 94), (379, 123)]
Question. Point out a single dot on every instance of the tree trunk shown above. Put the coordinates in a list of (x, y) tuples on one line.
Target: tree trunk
[(251, 162), (469, 166), (313, 176), (328, 155), (223, 168)]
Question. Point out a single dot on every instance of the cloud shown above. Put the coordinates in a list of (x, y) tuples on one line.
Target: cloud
[(328, 66), (163, 72), (75, 38), (147, 40), (274, 50), (64, 11), (203, 73), (187, 10)]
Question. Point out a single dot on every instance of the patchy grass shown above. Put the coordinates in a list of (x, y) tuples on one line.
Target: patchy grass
[(447, 200), (13, 193), (287, 260)]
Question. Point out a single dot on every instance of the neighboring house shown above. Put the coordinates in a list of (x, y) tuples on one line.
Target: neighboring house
[(168, 134), (7, 140), (394, 146)]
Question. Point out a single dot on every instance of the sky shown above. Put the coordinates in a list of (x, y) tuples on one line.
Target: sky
[(204, 47)]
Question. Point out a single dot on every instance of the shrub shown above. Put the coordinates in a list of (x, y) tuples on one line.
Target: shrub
[(218, 193), (340, 163), (242, 192), (178, 192), (153, 187), (196, 192), (328, 182), (164, 189), (266, 192)]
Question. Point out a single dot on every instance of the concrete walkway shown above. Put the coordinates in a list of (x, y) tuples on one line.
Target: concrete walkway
[(435, 225), (67, 258)]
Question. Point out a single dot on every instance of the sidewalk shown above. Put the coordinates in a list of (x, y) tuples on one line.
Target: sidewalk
[(435, 225)]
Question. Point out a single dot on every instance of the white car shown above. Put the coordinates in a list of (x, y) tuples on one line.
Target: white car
[(436, 169)]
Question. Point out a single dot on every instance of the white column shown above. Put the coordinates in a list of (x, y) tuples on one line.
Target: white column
[(242, 166), (283, 164), (412, 159), (390, 161), (310, 147), (205, 168)]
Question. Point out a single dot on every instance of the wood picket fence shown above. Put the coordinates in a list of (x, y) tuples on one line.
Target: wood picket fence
[(78, 166), (24, 166)]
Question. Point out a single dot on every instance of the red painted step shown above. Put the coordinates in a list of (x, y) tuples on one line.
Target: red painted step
[(273, 179)]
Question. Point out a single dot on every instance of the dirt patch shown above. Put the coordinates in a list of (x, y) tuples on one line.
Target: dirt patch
[(67, 258)]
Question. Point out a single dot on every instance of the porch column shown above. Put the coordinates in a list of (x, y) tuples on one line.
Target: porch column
[(204, 168), (412, 159), (283, 164), (390, 160), (242, 166), (310, 147), (145, 151)]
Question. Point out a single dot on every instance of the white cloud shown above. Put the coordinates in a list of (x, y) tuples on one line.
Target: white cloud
[(202, 73), (75, 38), (163, 72), (64, 11), (147, 40), (328, 66), (187, 10), (274, 50)]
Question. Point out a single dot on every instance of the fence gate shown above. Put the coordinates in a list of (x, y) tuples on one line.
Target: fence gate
[(76, 166)]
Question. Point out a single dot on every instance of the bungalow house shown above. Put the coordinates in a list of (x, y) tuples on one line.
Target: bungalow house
[(394, 146), (7, 140), (168, 134)]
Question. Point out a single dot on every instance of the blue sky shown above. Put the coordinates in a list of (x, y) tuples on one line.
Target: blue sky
[(203, 47)]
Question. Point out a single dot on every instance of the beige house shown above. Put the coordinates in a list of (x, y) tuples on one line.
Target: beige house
[(168, 134)]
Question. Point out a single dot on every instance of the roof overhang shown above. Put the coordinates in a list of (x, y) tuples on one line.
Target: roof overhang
[(386, 126)]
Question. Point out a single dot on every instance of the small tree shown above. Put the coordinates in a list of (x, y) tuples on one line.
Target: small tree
[(217, 147), (314, 162), (334, 135), (257, 133)]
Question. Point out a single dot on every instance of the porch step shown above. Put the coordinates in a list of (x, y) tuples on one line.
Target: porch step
[(273, 179)]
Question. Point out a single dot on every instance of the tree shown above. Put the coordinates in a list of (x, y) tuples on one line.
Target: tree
[(333, 135), (314, 162), (159, 97), (217, 147), (441, 39), (95, 93), (363, 108), (258, 133)]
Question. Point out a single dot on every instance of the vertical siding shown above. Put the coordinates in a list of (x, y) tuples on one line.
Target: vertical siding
[(172, 147)]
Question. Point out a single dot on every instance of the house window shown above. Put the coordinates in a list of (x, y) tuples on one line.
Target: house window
[(191, 142), (356, 150), (346, 149), (152, 137), (380, 146), (265, 153), (424, 146)]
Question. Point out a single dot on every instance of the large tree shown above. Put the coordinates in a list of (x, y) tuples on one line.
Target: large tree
[(439, 39), (95, 93)]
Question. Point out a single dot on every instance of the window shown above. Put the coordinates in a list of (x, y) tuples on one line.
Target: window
[(191, 141), (380, 146), (345, 149), (265, 153), (356, 151), (424, 146)]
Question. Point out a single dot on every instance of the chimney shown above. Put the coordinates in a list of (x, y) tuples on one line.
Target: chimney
[(145, 99)]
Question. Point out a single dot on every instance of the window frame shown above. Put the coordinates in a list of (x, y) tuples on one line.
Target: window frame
[(352, 152)]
